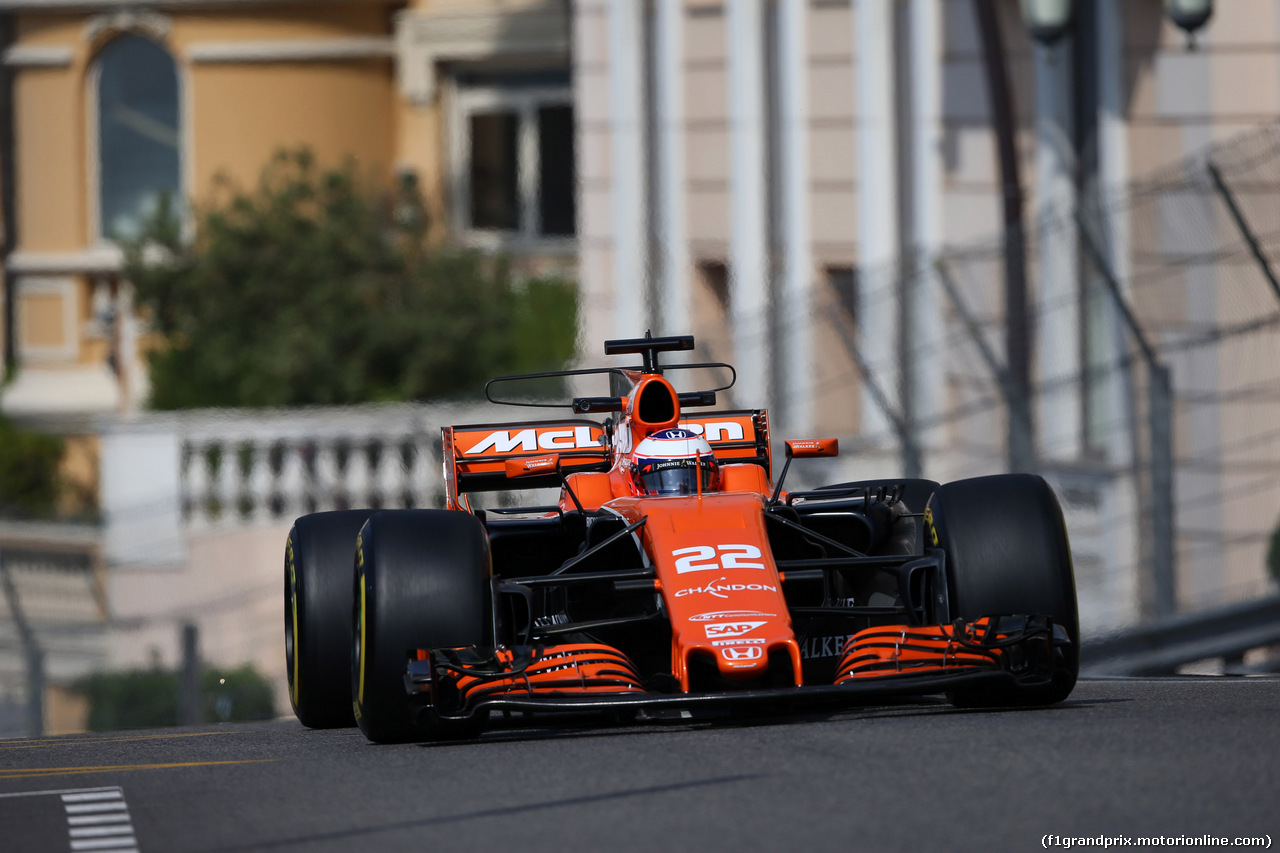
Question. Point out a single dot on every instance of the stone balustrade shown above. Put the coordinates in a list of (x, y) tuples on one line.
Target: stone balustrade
[(164, 475)]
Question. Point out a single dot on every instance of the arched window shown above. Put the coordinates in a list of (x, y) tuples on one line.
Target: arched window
[(138, 134)]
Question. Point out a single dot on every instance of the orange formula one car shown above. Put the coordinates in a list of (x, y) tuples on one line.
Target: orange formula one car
[(673, 575)]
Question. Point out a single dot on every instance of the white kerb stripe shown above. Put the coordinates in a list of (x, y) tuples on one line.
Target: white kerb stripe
[(93, 796), (90, 808), (102, 831), (106, 843), (97, 819)]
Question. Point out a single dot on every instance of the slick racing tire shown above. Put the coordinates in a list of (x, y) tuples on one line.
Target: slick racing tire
[(421, 582), (318, 557), (1007, 553)]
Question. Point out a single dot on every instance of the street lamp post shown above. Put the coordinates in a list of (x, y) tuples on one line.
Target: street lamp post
[(1046, 20), (1190, 15)]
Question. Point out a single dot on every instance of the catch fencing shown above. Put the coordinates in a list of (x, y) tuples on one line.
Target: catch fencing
[(1154, 322)]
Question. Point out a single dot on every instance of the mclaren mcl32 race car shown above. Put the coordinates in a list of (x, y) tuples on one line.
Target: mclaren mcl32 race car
[(673, 577)]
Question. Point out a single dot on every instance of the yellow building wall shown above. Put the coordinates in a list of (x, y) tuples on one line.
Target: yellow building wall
[(243, 114), (421, 146), (264, 21), (49, 130), (236, 115)]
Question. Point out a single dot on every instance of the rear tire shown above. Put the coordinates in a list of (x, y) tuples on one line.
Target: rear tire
[(1007, 553), (421, 582), (318, 557)]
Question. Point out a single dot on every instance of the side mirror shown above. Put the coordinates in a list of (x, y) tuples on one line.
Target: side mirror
[(805, 448), (528, 467)]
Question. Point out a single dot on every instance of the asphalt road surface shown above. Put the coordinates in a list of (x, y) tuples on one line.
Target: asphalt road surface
[(1121, 758)]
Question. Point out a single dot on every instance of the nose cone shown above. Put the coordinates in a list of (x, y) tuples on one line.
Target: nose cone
[(720, 587)]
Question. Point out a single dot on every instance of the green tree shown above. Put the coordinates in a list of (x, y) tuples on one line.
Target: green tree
[(148, 698), (314, 289), (29, 480)]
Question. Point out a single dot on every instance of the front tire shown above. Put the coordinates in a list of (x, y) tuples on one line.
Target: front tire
[(317, 616), (421, 582), (1007, 553)]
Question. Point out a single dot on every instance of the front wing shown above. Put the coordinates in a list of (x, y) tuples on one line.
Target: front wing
[(879, 663)]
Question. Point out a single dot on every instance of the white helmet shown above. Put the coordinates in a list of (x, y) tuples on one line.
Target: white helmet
[(668, 462)]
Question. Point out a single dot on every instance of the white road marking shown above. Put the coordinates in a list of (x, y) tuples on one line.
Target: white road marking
[(90, 796), (72, 791), (101, 831), (89, 808), (98, 819)]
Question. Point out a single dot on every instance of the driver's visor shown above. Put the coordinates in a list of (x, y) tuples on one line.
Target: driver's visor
[(676, 477)]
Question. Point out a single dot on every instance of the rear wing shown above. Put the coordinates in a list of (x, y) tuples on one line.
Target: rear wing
[(740, 435), (475, 455)]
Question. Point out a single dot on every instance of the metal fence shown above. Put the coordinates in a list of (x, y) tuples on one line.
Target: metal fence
[(1155, 394)]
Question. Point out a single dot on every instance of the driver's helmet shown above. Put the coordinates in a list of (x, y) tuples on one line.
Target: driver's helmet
[(668, 463)]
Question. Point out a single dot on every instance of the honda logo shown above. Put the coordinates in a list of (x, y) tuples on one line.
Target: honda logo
[(740, 653)]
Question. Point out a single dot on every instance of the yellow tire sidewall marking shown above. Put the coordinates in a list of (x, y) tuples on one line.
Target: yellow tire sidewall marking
[(363, 650), (294, 687)]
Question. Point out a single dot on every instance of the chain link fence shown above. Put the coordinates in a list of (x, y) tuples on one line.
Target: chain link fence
[(1154, 317)]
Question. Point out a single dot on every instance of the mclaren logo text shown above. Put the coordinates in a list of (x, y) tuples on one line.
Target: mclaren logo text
[(529, 440), (718, 431)]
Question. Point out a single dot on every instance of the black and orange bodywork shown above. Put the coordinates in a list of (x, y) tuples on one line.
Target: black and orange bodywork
[(609, 598)]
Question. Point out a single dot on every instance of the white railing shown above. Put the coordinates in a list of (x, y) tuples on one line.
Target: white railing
[(283, 465), (166, 474)]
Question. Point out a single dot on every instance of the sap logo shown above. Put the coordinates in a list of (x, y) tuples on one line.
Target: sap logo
[(719, 431), (732, 629), (738, 642), (742, 653), (720, 587), (529, 440)]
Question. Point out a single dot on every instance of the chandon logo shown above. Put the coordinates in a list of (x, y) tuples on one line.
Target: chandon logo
[(722, 587)]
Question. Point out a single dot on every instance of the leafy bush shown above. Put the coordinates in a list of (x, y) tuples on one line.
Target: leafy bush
[(148, 698), (236, 695), (29, 481), (312, 289)]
